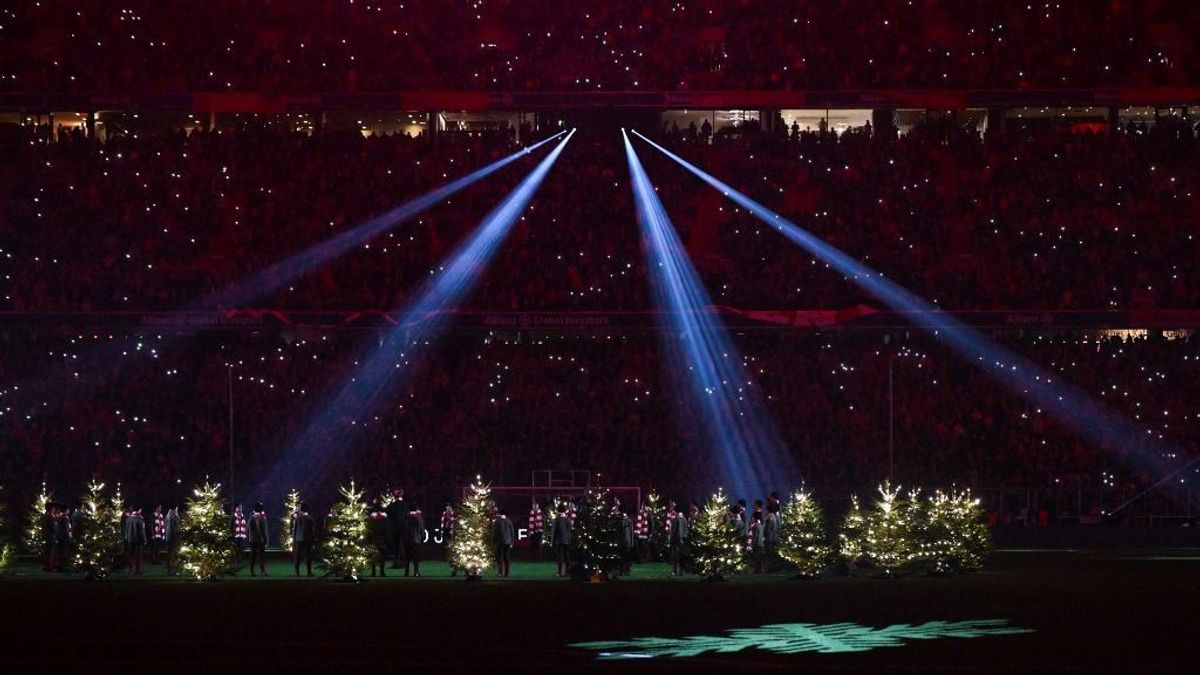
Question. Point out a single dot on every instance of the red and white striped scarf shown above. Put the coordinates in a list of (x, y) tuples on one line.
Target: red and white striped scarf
[(642, 526), (536, 522), (449, 521), (160, 526), (239, 526)]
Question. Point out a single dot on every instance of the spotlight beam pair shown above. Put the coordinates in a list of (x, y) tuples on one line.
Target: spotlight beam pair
[(724, 399), (330, 435), (1072, 407)]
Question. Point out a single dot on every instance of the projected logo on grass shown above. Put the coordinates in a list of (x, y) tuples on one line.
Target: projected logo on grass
[(793, 638)]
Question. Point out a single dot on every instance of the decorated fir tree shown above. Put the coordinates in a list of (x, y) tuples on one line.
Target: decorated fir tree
[(346, 550), (717, 545), (206, 549), (802, 534), (471, 549), (951, 535), (596, 538), (99, 543), (34, 536), (887, 538), (850, 539), (290, 506)]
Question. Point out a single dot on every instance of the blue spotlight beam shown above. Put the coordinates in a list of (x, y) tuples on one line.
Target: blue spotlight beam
[(736, 424), (281, 273), (329, 436), (1089, 418)]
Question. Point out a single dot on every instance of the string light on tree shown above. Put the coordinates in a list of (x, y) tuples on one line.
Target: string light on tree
[(717, 545), (346, 550), (34, 536), (802, 534), (291, 505), (206, 549)]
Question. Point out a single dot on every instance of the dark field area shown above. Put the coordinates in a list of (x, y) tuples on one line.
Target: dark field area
[(1131, 610)]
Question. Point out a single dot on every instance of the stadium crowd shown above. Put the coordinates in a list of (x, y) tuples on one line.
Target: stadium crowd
[(1025, 219), (147, 46), (503, 404)]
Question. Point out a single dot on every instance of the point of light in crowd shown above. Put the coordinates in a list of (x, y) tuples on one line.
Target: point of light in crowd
[(1089, 418), (326, 442), (721, 398)]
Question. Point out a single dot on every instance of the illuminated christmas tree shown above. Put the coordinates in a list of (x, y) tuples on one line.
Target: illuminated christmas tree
[(888, 536), (34, 536), (206, 549), (952, 536), (802, 534), (290, 506), (596, 538), (850, 539), (346, 550), (471, 549), (99, 542), (717, 545)]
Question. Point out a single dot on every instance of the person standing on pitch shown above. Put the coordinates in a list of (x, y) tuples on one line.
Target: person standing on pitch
[(560, 539), (304, 535), (171, 536), (677, 534), (414, 536), (628, 541), (258, 535), (57, 534), (771, 533), (377, 537), (135, 540), (506, 535), (757, 541), (397, 511)]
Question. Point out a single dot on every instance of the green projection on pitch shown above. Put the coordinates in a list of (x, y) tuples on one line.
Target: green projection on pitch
[(794, 638)]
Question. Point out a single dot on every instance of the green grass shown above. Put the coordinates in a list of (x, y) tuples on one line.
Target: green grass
[(1131, 611), (280, 568)]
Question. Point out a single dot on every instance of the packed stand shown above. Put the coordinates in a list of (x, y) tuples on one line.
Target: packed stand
[(155, 416), (146, 46), (1029, 219)]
